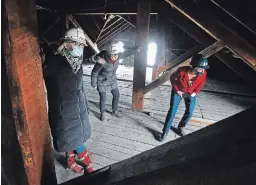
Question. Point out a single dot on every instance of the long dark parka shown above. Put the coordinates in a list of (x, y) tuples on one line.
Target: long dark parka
[(68, 109), (104, 72)]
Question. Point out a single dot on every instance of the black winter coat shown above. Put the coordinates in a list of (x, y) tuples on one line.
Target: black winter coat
[(68, 108), (104, 73)]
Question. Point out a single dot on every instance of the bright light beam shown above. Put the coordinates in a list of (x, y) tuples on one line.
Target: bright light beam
[(151, 55)]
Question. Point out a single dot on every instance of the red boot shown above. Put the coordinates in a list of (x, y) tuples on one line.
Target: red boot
[(86, 160), (72, 163)]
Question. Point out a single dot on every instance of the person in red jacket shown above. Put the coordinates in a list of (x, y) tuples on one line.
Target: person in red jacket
[(186, 82)]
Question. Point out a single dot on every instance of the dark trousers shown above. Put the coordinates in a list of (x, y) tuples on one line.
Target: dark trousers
[(190, 103), (115, 100)]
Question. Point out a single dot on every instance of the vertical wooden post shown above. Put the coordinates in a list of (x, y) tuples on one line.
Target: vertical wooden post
[(140, 63), (26, 89)]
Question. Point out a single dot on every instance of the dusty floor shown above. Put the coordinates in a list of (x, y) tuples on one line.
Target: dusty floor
[(117, 139)]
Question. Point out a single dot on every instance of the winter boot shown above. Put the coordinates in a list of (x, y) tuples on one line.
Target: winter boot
[(163, 136), (102, 116), (70, 156), (86, 160), (181, 131), (117, 114)]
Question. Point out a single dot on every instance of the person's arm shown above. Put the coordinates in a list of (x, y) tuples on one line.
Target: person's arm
[(201, 84), (174, 78), (128, 52), (95, 72)]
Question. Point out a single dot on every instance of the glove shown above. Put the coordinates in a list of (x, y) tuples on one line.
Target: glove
[(139, 48), (193, 94), (94, 86), (180, 93)]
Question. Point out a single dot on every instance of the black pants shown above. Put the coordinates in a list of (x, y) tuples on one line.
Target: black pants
[(103, 99)]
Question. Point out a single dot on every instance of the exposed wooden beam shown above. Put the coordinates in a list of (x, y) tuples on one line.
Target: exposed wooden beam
[(66, 22), (48, 29), (207, 52), (96, 23), (189, 27), (89, 41), (237, 65), (214, 48), (140, 63), (219, 31), (26, 90), (177, 60), (113, 13), (232, 12)]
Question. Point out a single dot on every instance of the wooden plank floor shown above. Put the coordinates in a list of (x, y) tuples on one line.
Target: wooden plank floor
[(117, 139)]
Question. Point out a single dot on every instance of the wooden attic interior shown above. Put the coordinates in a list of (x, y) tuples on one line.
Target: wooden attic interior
[(219, 153)]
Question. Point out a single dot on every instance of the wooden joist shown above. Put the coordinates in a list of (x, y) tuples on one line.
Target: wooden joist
[(219, 31), (207, 52)]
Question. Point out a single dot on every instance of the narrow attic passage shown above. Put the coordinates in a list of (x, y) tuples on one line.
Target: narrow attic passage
[(117, 139), (50, 86)]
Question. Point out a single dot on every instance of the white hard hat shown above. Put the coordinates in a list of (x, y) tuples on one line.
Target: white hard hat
[(115, 48), (75, 34)]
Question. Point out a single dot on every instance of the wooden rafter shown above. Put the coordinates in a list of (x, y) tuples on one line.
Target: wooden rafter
[(219, 31)]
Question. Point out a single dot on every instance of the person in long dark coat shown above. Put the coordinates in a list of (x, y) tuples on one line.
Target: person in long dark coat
[(103, 77), (68, 108)]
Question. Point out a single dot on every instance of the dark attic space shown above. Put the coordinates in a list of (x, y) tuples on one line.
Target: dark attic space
[(128, 92)]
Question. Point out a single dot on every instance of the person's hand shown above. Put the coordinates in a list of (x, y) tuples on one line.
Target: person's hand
[(94, 86), (139, 49), (193, 94), (180, 93)]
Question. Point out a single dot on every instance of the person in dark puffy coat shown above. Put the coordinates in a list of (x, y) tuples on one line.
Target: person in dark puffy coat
[(103, 75), (68, 108), (186, 82)]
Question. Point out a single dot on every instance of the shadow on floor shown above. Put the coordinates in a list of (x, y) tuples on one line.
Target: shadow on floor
[(153, 132), (61, 158), (95, 113), (152, 115)]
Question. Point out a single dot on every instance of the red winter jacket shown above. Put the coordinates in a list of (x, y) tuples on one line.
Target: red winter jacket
[(180, 81)]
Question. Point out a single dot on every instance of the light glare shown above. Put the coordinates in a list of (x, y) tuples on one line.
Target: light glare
[(151, 55)]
